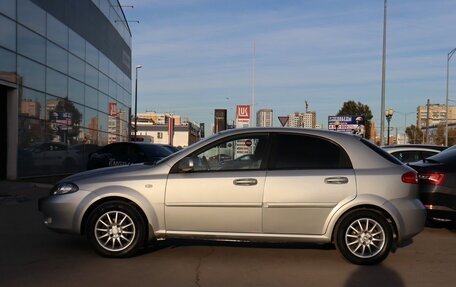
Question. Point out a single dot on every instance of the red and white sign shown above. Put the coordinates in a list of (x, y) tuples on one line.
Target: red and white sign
[(243, 112), (242, 116), (112, 108)]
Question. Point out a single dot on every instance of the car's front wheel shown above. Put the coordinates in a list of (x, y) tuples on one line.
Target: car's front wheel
[(364, 237), (116, 229)]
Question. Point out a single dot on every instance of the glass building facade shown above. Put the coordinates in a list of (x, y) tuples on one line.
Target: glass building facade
[(65, 83)]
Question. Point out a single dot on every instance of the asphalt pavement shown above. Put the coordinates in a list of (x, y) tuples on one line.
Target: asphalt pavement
[(31, 255)]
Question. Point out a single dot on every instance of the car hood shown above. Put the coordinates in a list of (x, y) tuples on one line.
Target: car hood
[(118, 173)]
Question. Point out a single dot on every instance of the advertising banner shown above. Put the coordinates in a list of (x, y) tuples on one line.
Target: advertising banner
[(347, 124), (60, 120)]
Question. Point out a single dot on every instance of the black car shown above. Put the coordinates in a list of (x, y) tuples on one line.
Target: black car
[(437, 179), (127, 153), (172, 148)]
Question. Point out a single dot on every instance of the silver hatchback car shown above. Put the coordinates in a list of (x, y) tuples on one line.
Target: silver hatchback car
[(259, 184)]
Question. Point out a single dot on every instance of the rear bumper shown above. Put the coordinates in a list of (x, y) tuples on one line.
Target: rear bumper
[(443, 213), (440, 202), (410, 217)]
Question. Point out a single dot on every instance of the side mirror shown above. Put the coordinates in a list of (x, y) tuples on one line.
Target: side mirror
[(186, 164)]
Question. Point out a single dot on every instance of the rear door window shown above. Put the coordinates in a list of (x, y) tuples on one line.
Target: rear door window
[(308, 152)]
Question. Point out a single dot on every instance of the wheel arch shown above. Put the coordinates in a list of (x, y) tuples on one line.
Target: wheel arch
[(101, 201), (369, 207)]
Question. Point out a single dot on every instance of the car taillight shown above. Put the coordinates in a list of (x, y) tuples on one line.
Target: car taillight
[(432, 178), (410, 177)]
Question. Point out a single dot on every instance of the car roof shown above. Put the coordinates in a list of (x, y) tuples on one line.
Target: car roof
[(359, 150)]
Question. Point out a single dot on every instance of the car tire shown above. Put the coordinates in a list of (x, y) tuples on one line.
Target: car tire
[(364, 237), (116, 229)]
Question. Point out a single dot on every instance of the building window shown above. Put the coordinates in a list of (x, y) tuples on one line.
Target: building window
[(159, 135)]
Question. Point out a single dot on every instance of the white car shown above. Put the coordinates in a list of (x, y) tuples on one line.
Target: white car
[(413, 152)]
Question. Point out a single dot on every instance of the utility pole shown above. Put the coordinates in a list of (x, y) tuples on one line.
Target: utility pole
[(252, 112), (382, 117), (450, 54), (427, 121)]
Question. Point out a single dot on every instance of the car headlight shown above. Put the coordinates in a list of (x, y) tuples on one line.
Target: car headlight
[(64, 188)]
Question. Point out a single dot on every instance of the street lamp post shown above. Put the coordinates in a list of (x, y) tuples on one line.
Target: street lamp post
[(450, 54), (136, 100), (388, 115), (382, 109)]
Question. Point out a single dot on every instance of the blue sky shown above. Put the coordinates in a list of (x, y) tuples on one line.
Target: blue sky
[(197, 55)]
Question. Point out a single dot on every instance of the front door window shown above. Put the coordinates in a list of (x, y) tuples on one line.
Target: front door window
[(244, 153)]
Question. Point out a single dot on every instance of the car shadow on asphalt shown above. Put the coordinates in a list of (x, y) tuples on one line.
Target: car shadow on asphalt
[(373, 276), (176, 243), (451, 226)]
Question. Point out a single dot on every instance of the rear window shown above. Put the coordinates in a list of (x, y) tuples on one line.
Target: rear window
[(381, 152)]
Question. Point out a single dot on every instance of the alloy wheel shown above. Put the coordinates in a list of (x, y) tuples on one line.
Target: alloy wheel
[(115, 231)]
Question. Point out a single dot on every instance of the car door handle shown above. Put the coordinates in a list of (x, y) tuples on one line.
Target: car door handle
[(245, 181), (336, 180)]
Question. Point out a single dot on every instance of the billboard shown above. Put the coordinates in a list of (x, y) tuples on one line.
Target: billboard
[(219, 120), (242, 116), (60, 120), (347, 124), (202, 133)]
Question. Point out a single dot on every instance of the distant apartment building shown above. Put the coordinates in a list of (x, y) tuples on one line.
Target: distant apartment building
[(264, 118), (158, 119), (302, 120), (154, 128), (183, 135), (437, 115)]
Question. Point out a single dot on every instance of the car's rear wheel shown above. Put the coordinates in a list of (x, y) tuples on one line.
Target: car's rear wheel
[(364, 237), (116, 229)]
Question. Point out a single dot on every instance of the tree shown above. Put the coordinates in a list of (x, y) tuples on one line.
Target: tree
[(351, 108), (414, 134), (64, 121), (439, 136), (451, 137)]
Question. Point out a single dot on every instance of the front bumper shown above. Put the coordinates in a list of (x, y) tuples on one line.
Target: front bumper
[(61, 211)]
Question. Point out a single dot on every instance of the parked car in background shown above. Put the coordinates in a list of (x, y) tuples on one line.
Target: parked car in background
[(53, 156), (293, 185), (125, 153), (437, 185), (81, 152), (413, 152), (170, 147)]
